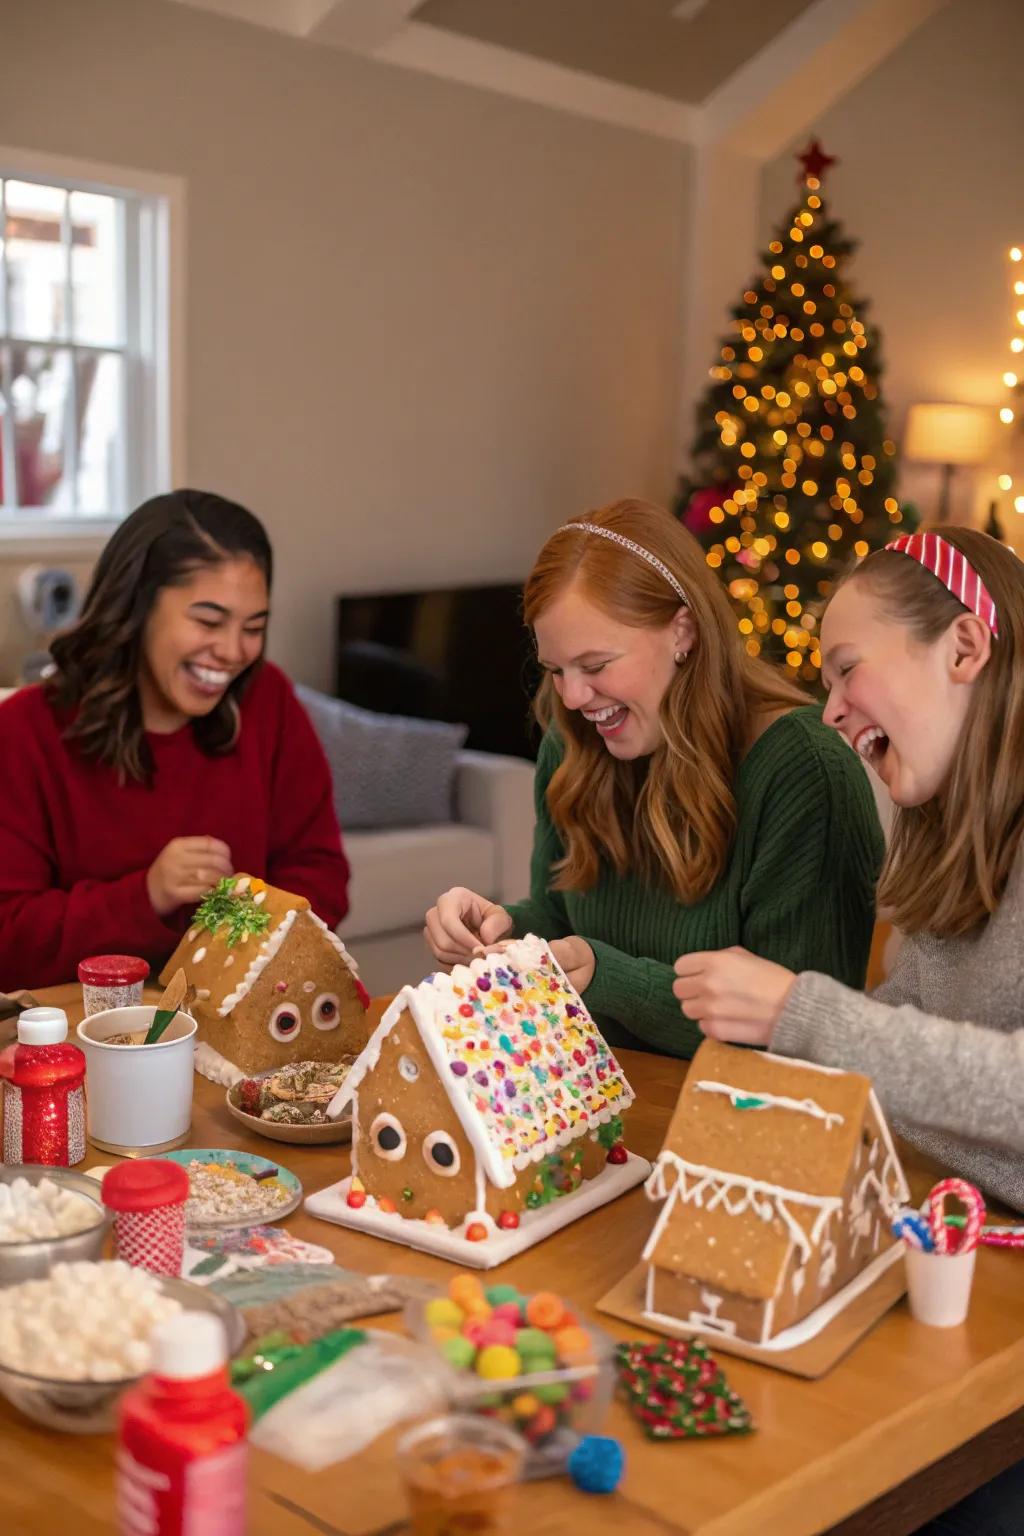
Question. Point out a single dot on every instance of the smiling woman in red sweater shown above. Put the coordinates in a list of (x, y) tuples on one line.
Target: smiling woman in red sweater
[(163, 754)]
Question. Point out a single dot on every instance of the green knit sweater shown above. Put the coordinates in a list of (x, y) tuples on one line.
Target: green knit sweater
[(798, 887)]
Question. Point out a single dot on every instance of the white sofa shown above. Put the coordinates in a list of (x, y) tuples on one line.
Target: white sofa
[(398, 872)]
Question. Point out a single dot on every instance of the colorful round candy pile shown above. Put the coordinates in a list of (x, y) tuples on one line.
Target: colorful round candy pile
[(501, 1336)]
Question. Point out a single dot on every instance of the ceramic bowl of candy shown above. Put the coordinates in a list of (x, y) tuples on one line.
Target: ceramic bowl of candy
[(48, 1216), (290, 1103), (71, 1343), (526, 1360)]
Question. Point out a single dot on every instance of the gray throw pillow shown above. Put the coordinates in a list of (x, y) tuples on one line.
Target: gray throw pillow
[(388, 771)]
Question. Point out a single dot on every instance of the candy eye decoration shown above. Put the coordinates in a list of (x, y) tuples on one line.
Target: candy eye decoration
[(409, 1068), (441, 1155), (284, 1023), (388, 1138), (327, 1011)]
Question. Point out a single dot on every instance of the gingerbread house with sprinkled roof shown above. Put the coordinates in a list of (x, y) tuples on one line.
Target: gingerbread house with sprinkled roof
[(273, 984), (487, 1111), (779, 1180)]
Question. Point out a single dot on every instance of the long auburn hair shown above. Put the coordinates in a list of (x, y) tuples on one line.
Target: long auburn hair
[(949, 859), (97, 661), (670, 818)]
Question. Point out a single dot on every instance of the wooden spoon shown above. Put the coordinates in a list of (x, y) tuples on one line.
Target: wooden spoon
[(176, 995)]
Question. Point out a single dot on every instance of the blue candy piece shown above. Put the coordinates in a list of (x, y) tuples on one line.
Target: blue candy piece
[(596, 1465)]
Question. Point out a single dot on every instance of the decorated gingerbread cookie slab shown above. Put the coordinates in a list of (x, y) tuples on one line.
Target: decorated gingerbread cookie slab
[(487, 1113)]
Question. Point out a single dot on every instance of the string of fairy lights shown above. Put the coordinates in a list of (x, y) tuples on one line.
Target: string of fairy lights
[(1009, 415), (767, 424)]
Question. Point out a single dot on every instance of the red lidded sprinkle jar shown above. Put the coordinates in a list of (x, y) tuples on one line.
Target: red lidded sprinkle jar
[(111, 981), (147, 1199)]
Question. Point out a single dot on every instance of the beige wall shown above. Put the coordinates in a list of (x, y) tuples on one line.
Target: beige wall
[(931, 148), (424, 322)]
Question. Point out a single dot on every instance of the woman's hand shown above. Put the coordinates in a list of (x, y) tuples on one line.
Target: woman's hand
[(576, 958), (183, 872), (463, 922), (732, 994)]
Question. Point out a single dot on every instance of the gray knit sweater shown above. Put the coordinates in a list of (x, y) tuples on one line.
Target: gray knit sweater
[(953, 1089)]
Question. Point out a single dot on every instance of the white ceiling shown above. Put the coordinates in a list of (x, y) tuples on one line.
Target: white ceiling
[(695, 71), (682, 51)]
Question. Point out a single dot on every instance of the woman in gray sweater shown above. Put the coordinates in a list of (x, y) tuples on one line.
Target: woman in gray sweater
[(923, 655), (923, 649)]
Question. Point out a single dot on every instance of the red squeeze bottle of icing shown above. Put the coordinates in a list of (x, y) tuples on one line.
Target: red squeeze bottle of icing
[(44, 1105), (182, 1452)]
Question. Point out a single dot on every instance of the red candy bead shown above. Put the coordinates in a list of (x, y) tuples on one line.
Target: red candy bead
[(508, 1221), (476, 1232), (356, 1198), (618, 1154)]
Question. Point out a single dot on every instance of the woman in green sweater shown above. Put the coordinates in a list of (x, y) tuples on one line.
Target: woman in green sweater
[(687, 796)]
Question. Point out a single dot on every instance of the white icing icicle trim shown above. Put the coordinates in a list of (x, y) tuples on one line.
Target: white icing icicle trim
[(266, 952), (737, 1194), (335, 942), (772, 1100)]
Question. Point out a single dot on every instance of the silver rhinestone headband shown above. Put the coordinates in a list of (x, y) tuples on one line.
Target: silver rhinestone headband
[(636, 549)]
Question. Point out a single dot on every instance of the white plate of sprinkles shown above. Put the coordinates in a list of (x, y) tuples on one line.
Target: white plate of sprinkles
[(234, 1189)]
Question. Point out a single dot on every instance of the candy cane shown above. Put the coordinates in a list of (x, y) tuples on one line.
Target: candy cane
[(1003, 1237), (913, 1228), (974, 1207)]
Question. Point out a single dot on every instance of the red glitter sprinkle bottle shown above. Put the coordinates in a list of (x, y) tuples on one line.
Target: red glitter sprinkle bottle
[(44, 1099)]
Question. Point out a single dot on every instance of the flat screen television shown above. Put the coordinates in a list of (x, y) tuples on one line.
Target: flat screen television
[(457, 653)]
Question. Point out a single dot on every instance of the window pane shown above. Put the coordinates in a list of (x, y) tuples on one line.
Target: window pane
[(96, 225), (40, 401), (36, 261), (100, 381)]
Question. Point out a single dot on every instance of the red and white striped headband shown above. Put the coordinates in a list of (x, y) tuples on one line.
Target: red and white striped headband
[(953, 569)]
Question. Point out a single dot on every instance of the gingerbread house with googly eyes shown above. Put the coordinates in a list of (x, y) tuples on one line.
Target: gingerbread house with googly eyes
[(487, 1112), (779, 1180), (273, 984)]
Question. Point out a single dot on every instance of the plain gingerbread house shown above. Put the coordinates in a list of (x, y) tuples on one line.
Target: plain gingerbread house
[(779, 1180)]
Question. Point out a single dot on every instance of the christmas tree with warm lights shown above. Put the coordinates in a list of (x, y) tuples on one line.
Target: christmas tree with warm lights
[(793, 470)]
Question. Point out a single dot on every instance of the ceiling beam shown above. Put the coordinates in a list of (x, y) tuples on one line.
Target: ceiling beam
[(359, 25), (489, 67), (821, 55)]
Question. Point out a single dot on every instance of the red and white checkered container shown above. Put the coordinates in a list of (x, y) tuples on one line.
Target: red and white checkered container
[(111, 981), (147, 1200)]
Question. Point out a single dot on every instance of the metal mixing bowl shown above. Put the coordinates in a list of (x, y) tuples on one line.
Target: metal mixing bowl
[(90, 1407), (33, 1260)]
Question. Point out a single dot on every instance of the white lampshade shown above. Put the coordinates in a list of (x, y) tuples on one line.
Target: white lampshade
[(949, 434)]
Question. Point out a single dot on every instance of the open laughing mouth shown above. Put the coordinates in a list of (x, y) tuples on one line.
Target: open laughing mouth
[(872, 744), (207, 680), (608, 722)]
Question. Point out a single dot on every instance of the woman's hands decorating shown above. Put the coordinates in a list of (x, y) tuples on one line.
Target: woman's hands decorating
[(184, 870), (461, 922), (576, 958), (732, 994)]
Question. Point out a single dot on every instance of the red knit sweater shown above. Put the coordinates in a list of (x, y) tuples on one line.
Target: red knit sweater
[(75, 844)]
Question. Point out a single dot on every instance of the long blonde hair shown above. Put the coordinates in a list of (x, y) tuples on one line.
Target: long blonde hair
[(949, 859), (670, 818)]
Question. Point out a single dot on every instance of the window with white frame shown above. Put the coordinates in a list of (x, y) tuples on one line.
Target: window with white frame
[(84, 304)]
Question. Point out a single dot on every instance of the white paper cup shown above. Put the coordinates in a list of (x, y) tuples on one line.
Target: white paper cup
[(939, 1286), (138, 1097)]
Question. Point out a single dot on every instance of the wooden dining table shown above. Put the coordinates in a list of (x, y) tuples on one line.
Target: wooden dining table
[(911, 1420)]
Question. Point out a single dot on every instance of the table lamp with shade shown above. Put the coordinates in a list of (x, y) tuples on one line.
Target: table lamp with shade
[(949, 435)]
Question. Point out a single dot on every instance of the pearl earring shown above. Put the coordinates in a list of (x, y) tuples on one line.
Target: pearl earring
[(680, 657)]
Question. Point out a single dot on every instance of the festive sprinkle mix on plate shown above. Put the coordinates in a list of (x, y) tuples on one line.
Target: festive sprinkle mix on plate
[(221, 1191)]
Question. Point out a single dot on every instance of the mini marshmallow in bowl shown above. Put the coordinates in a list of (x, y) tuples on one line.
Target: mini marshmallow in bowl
[(84, 1322), (30, 1212)]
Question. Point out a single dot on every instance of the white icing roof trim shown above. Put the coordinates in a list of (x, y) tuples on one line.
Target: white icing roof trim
[(258, 964), (771, 1100), (423, 1002)]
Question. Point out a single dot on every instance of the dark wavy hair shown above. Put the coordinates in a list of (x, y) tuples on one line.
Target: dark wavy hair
[(97, 661)]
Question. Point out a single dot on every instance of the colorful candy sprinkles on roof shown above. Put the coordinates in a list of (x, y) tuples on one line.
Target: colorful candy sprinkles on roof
[(526, 1068)]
